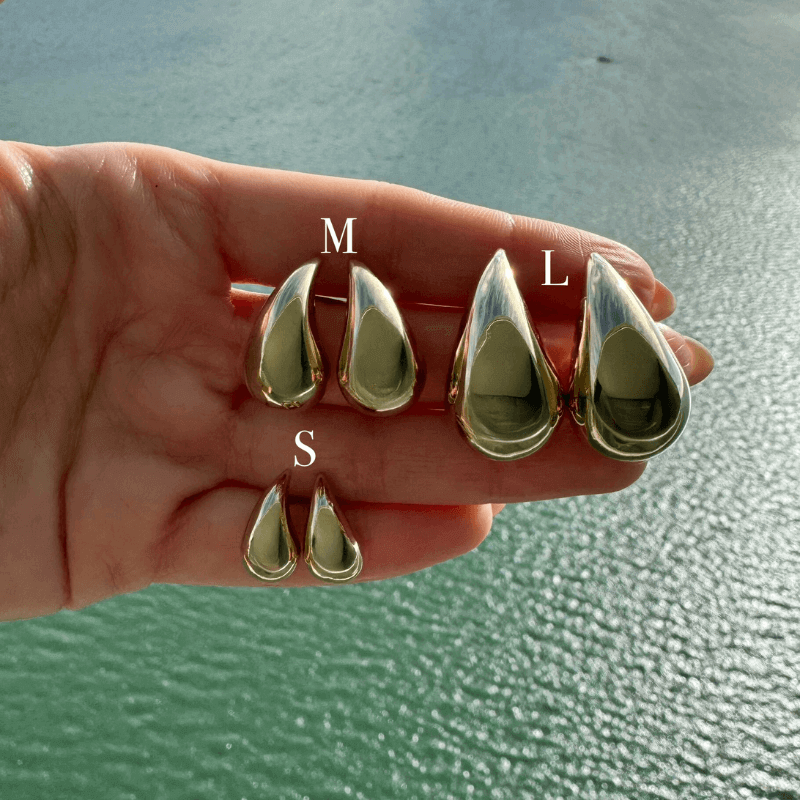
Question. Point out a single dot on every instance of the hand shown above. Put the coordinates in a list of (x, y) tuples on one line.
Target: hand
[(130, 451)]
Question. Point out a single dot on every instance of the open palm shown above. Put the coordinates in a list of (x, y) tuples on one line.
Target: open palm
[(131, 452)]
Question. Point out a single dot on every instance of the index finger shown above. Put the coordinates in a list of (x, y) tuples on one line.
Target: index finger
[(425, 248)]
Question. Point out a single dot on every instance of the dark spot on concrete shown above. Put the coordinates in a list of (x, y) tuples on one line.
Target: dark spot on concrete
[(604, 59)]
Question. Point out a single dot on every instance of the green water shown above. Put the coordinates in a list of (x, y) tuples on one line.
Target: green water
[(639, 645)]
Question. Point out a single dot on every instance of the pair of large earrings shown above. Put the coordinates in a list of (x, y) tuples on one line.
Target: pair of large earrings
[(628, 390)]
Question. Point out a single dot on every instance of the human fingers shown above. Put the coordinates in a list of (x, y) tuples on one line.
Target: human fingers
[(663, 304), (413, 458), (387, 460), (426, 249), (695, 358)]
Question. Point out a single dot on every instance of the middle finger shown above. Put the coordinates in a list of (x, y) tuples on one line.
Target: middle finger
[(419, 456)]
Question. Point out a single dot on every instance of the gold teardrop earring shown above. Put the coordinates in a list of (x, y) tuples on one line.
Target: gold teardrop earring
[(284, 367), (331, 551), (505, 393), (378, 370), (629, 391), (268, 548)]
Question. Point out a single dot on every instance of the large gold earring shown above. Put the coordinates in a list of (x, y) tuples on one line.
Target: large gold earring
[(629, 391), (506, 395)]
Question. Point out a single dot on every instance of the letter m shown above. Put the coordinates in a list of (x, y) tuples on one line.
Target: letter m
[(337, 242)]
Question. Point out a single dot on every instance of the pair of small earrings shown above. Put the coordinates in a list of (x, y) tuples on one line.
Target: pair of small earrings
[(628, 389), (330, 550)]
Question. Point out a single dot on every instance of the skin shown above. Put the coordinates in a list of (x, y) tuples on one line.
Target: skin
[(131, 452)]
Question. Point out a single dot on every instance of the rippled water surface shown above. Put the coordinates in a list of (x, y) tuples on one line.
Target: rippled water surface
[(638, 645)]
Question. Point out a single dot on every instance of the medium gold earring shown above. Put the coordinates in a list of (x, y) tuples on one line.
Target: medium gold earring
[(284, 367), (378, 370)]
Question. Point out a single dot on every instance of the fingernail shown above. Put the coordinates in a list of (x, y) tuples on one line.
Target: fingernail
[(703, 360), (683, 352), (664, 302)]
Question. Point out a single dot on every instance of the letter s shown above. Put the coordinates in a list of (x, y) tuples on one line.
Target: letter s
[(306, 448)]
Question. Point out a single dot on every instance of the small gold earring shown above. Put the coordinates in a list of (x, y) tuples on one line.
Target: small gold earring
[(268, 547), (331, 551)]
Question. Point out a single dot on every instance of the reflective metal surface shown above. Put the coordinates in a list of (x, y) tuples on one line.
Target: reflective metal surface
[(331, 552), (506, 395), (378, 371), (269, 550), (284, 367), (630, 391)]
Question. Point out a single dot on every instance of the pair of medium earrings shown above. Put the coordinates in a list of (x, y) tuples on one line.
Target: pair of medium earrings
[(378, 370), (628, 390)]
